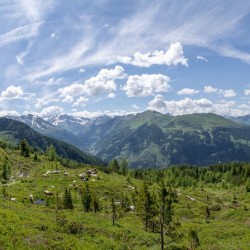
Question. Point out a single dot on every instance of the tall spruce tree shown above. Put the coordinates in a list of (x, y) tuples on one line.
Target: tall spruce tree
[(6, 170), (67, 200), (166, 198), (51, 153), (114, 166), (124, 167), (86, 198), (145, 206), (25, 149)]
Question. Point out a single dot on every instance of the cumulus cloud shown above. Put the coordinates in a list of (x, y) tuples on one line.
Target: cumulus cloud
[(201, 58), (40, 102), (68, 99), (80, 102), (146, 85), (102, 83), (247, 92), (203, 105), (51, 111), (210, 89), (158, 103), (88, 114), (174, 55), (9, 113), (188, 91), (12, 92), (227, 93)]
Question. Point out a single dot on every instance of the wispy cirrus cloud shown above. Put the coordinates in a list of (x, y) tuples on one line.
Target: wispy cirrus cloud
[(20, 33), (203, 24)]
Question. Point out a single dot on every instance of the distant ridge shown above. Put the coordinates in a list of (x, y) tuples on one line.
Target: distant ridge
[(153, 139), (15, 131)]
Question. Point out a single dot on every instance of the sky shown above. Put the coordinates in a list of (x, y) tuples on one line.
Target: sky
[(90, 58)]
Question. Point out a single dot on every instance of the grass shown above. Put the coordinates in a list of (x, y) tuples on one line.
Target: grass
[(27, 226)]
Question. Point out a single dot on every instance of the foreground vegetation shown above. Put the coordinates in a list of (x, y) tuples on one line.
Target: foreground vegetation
[(45, 205)]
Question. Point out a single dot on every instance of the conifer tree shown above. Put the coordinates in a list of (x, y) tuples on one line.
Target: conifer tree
[(124, 167), (6, 170), (95, 203), (67, 200), (145, 206), (166, 198), (35, 157), (86, 198), (114, 166), (51, 153), (25, 149)]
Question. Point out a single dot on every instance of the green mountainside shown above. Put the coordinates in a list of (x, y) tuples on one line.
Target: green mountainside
[(15, 131), (44, 205), (152, 139)]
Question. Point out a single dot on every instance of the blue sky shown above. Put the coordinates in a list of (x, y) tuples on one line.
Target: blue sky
[(89, 58)]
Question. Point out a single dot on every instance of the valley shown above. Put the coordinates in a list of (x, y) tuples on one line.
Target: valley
[(151, 139)]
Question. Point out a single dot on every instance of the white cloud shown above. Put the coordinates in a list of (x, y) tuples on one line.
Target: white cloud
[(172, 56), (102, 83), (201, 58), (40, 102), (188, 91), (88, 114), (9, 113), (35, 10), (210, 89), (80, 102), (19, 33), (145, 31), (158, 103), (12, 92), (111, 95), (135, 107), (247, 92), (116, 73), (68, 99), (52, 35), (51, 111), (81, 70), (227, 93), (189, 106), (146, 85)]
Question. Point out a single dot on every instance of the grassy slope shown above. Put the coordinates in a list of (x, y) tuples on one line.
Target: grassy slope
[(27, 226)]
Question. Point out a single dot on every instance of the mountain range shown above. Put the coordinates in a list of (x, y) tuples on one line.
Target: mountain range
[(152, 139), (14, 131)]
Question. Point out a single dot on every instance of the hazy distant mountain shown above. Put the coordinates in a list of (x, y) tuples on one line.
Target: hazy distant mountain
[(241, 119), (152, 139), (15, 131), (46, 127)]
